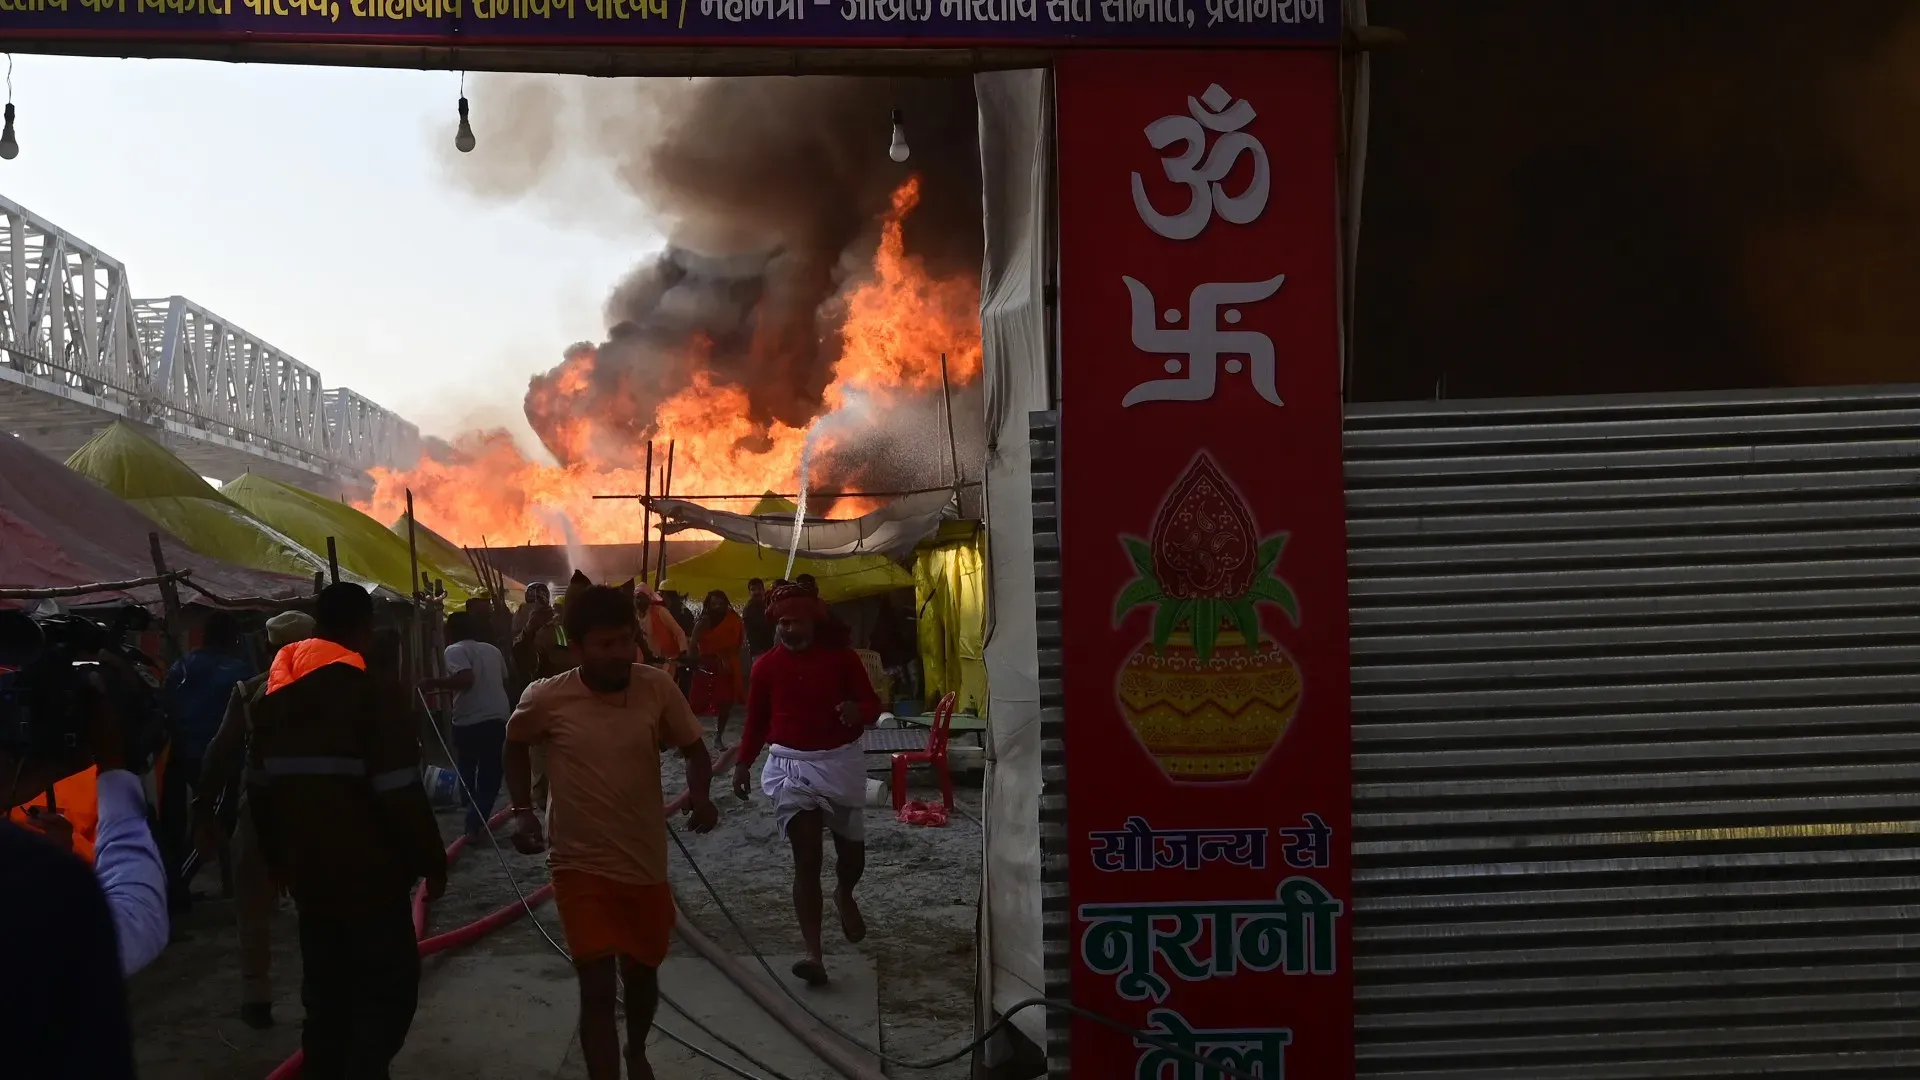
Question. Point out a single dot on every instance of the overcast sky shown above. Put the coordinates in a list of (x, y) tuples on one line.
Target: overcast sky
[(312, 206)]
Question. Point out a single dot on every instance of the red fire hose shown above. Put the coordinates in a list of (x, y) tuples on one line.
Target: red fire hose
[(492, 921), (471, 932)]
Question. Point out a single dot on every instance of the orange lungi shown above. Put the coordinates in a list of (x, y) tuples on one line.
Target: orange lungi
[(603, 917)]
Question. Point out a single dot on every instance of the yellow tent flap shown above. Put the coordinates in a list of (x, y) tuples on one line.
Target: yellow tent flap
[(125, 461), (729, 566), (950, 591), (364, 546)]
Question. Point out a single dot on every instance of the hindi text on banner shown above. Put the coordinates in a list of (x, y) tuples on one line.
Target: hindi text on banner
[(1139, 846), (1254, 1051), (1294, 933)]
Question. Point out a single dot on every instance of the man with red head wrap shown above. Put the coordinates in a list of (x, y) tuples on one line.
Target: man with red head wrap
[(807, 703)]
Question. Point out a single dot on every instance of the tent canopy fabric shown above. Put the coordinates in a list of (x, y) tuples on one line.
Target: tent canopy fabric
[(731, 564), (892, 531), (63, 530), (122, 459), (441, 551), (950, 591), (364, 546)]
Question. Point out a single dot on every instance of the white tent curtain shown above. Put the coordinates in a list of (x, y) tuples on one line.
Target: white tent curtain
[(1016, 116)]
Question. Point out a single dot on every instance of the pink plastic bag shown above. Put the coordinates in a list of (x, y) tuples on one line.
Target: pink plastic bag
[(929, 815)]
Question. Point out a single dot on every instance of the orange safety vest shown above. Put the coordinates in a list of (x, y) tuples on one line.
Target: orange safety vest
[(78, 800), (302, 658)]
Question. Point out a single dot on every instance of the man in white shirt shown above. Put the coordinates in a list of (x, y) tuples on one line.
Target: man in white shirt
[(477, 676)]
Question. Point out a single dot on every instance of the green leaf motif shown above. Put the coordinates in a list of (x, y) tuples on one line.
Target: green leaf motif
[(1247, 620), (1275, 590), (1206, 627), (1141, 554), (1269, 552), (1140, 591), (1166, 619)]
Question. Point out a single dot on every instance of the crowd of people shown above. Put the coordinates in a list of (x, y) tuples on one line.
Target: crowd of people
[(304, 780)]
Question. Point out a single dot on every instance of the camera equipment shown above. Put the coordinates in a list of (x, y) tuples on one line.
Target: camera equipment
[(55, 670)]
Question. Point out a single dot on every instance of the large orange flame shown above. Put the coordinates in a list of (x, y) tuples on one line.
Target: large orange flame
[(898, 324)]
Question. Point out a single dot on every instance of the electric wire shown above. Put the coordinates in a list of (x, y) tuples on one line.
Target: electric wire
[(1141, 1038), (561, 950)]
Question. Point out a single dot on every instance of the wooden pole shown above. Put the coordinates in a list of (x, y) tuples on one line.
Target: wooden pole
[(89, 590), (811, 494), (946, 393), (169, 602), (479, 571), (333, 562), (666, 492), (413, 549), (646, 520), (418, 624)]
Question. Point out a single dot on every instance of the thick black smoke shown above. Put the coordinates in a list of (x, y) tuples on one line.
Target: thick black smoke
[(1611, 195), (772, 191)]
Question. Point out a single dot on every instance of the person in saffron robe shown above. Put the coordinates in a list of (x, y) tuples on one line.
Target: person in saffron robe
[(662, 643), (717, 638)]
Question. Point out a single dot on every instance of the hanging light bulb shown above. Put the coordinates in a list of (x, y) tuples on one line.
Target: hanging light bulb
[(9, 144), (463, 139), (897, 149)]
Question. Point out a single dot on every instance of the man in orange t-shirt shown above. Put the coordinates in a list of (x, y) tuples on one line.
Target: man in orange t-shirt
[(603, 726)]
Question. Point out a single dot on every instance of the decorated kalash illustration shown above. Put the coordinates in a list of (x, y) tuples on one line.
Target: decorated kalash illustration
[(1208, 695)]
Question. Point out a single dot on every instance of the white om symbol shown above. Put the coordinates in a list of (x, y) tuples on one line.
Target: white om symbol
[(1225, 116), (1203, 343)]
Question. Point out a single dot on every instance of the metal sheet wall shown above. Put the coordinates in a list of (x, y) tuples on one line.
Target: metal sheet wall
[(1637, 736)]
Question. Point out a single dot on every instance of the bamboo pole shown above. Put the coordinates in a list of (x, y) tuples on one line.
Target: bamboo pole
[(169, 602), (666, 492), (646, 520), (413, 550), (417, 623), (97, 587), (946, 394), (795, 494)]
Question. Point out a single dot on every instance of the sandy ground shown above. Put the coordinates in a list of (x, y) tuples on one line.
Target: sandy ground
[(504, 1006)]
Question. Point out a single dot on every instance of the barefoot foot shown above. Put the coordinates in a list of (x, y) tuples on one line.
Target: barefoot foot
[(810, 971), (852, 923)]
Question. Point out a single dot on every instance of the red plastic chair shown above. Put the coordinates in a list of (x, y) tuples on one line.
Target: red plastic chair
[(935, 755)]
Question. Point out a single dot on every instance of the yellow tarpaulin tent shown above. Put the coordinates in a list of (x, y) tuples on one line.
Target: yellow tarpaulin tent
[(364, 546), (125, 461), (729, 566), (950, 592)]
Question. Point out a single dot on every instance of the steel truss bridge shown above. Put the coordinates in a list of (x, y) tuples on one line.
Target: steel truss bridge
[(78, 351)]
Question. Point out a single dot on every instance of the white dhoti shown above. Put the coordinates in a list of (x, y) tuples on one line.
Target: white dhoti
[(833, 782)]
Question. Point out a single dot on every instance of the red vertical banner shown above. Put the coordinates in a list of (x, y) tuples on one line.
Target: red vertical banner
[(1204, 564)]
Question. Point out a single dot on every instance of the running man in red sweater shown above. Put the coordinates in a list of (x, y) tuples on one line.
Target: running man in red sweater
[(807, 703)]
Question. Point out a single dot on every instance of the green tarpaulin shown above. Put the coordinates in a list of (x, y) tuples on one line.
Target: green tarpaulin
[(125, 461), (729, 566), (364, 546), (444, 552)]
